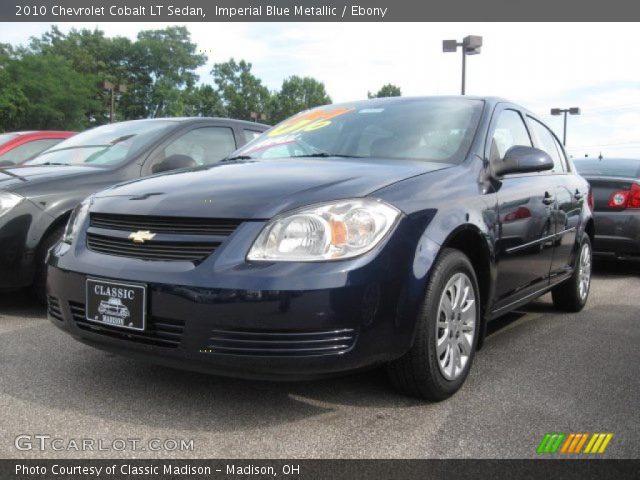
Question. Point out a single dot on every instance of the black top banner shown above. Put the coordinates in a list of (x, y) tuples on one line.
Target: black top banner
[(180, 11)]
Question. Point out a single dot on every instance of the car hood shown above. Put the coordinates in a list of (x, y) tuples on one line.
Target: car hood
[(256, 189), (16, 178)]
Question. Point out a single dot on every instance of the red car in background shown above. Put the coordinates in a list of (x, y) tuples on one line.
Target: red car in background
[(18, 147)]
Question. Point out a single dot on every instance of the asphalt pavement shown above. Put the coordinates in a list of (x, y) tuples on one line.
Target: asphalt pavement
[(540, 371)]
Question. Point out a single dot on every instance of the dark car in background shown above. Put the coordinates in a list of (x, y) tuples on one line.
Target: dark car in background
[(615, 183), (37, 198), (18, 147), (386, 231)]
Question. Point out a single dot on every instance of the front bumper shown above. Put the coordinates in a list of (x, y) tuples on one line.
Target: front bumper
[(617, 233), (267, 323)]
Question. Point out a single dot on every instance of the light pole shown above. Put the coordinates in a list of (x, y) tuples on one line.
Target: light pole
[(112, 89), (255, 116), (471, 45), (560, 111)]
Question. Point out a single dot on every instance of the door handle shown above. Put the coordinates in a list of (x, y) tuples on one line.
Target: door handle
[(548, 199)]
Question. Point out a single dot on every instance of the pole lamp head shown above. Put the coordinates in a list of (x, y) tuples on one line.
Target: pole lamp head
[(472, 44), (556, 111), (449, 46), (574, 111)]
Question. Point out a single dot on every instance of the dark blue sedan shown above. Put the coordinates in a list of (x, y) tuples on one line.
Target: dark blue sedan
[(381, 232)]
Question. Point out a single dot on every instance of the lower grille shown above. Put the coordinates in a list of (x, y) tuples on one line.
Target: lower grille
[(283, 344), (168, 251), (53, 308), (159, 331)]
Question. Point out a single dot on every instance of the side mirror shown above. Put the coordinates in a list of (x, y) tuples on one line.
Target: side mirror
[(521, 159), (174, 162)]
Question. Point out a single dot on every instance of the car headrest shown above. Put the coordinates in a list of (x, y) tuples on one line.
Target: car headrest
[(174, 162)]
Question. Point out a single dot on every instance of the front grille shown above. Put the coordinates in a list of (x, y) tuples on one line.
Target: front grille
[(281, 343), (151, 250), (53, 308), (159, 332), (169, 225)]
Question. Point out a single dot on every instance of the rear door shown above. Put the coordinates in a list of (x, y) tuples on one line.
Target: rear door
[(526, 203), (570, 195)]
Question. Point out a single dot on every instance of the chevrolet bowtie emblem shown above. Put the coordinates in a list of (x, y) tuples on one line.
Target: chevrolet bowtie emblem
[(141, 236)]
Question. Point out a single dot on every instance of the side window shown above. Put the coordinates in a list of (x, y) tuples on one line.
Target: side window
[(201, 146), (250, 135), (509, 131), (561, 152), (28, 150), (546, 141)]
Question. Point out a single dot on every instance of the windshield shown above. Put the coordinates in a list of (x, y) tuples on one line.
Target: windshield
[(436, 130), (104, 146), (5, 137), (612, 167)]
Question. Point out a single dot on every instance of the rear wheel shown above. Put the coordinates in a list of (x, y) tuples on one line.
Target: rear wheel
[(441, 356), (39, 287), (571, 296)]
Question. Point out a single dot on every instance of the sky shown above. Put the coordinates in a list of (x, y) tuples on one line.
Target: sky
[(539, 65)]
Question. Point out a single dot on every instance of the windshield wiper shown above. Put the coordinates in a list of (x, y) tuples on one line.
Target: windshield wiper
[(14, 175), (49, 163), (76, 148), (237, 157), (325, 155)]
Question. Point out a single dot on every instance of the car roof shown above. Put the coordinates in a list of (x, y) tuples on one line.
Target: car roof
[(205, 119)]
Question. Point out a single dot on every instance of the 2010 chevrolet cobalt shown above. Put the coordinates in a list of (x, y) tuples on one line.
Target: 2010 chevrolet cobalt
[(387, 231)]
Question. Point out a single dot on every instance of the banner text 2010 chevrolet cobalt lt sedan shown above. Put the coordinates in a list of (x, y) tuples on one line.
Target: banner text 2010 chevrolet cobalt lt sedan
[(379, 232)]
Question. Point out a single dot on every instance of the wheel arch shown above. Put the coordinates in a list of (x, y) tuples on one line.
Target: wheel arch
[(474, 244), (59, 221)]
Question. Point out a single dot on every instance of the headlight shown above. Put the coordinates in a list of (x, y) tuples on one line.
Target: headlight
[(75, 221), (8, 201), (329, 231)]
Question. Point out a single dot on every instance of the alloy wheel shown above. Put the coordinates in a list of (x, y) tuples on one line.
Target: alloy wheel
[(455, 326), (584, 271)]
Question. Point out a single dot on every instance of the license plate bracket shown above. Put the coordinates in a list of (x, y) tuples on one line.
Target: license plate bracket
[(116, 304)]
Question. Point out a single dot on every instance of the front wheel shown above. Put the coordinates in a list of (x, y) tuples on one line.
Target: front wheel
[(448, 325), (571, 296)]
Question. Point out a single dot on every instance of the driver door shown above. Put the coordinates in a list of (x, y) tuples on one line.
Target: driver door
[(526, 202)]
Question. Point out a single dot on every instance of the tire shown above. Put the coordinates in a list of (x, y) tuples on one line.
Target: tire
[(420, 373), (39, 287), (572, 295)]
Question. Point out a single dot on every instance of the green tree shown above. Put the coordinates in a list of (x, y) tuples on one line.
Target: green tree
[(94, 55), (297, 94), (202, 101), (240, 90), (162, 65), (388, 90), (156, 68), (44, 92)]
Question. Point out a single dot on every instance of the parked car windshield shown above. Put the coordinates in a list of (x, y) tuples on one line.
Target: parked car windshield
[(611, 167), (436, 130), (104, 146)]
